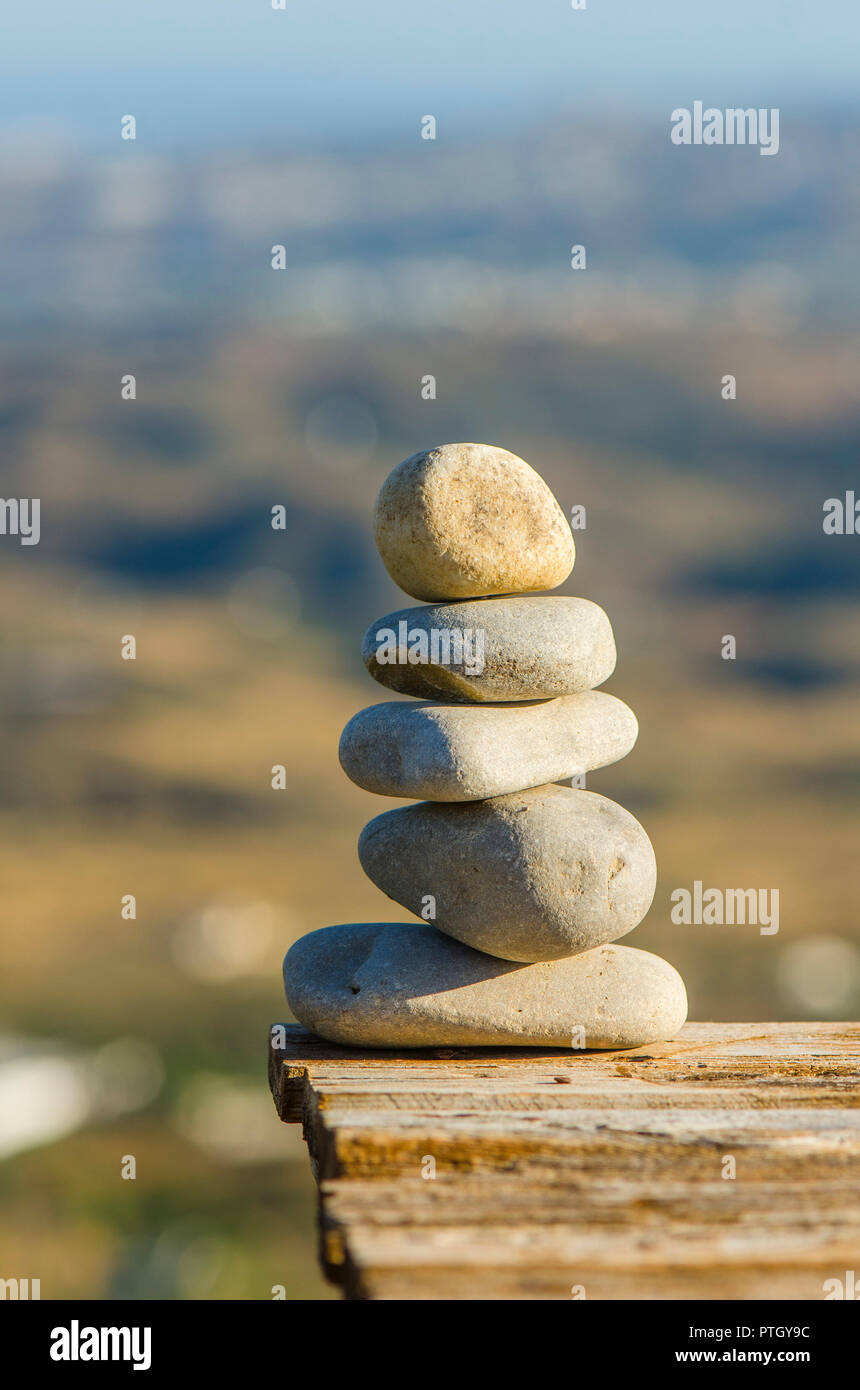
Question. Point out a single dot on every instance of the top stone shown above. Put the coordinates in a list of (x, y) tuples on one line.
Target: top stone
[(468, 520)]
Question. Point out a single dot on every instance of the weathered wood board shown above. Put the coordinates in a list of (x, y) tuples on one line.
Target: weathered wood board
[(524, 1174)]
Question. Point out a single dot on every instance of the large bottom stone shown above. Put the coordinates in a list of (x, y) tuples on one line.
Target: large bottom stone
[(384, 984)]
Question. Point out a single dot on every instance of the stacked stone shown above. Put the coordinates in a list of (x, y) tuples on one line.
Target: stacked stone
[(523, 884)]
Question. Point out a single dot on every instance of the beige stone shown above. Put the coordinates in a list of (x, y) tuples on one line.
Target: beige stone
[(407, 984), (492, 649), (464, 520), (536, 875), (448, 752)]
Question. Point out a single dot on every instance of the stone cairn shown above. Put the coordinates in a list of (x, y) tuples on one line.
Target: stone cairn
[(521, 883)]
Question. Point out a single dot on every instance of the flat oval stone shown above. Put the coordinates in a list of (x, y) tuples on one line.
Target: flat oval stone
[(392, 984), (448, 752), (534, 876), (463, 520), (493, 649)]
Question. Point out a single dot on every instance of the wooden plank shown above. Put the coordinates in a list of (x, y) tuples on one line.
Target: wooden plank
[(554, 1170)]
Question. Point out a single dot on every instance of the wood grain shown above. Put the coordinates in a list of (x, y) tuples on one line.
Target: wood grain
[(600, 1171)]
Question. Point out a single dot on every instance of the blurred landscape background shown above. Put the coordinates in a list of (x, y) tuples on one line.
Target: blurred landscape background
[(303, 388)]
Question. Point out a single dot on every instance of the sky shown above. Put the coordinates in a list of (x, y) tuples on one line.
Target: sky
[(224, 72)]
